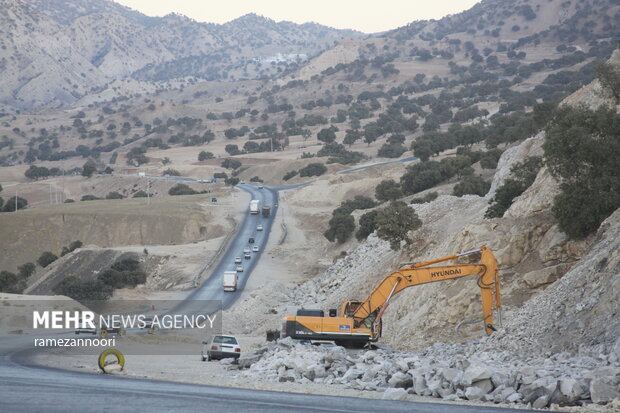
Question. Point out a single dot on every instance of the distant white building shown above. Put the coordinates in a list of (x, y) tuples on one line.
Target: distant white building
[(282, 57)]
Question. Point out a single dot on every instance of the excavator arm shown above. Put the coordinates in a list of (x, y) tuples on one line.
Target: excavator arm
[(369, 312)]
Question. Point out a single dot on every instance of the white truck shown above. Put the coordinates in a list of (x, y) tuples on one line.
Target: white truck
[(230, 281), (254, 206)]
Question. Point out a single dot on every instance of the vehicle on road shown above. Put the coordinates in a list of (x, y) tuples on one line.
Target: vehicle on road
[(84, 327), (246, 250), (239, 268), (230, 280), (147, 322), (254, 206), (237, 260), (251, 240), (259, 228), (260, 187), (266, 211), (220, 347), (113, 331), (247, 255), (255, 248)]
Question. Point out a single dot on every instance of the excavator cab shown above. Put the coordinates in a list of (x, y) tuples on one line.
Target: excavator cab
[(349, 308)]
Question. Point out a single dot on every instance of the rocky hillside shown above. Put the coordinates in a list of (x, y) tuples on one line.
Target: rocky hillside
[(558, 344), (53, 52), (565, 287)]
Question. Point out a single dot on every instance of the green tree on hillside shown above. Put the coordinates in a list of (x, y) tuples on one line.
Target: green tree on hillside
[(89, 168), (26, 270), (11, 283), (14, 203), (203, 156), (232, 149), (388, 190), (367, 225), (327, 135), (313, 169), (394, 223), (46, 259), (471, 185), (341, 226), (181, 189), (582, 149)]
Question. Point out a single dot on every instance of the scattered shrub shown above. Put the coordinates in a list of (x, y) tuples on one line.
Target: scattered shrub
[(181, 189), (46, 259), (313, 169)]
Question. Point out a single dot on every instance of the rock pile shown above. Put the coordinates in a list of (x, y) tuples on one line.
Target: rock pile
[(450, 372)]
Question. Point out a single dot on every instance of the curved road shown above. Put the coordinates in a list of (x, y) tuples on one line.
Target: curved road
[(31, 388), (212, 289)]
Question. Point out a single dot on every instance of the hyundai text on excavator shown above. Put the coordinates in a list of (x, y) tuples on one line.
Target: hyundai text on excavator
[(360, 321)]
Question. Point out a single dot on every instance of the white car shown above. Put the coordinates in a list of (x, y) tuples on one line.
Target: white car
[(237, 260), (239, 268), (246, 250), (255, 248), (259, 228), (220, 347)]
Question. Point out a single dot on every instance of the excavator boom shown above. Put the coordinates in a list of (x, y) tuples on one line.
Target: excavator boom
[(369, 312)]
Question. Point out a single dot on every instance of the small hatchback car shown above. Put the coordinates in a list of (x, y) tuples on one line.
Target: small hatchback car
[(221, 347)]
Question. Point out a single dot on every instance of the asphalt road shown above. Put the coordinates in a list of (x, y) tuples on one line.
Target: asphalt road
[(361, 168), (27, 388), (212, 288)]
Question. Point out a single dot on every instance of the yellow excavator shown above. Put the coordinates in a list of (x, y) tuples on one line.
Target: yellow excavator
[(360, 321)]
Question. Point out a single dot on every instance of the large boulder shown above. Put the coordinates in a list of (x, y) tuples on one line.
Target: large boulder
[(400, 380), (394, 394), (474, 373), (539, 390), (605, 389)]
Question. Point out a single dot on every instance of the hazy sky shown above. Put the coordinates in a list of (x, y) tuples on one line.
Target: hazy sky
[(365, 15)]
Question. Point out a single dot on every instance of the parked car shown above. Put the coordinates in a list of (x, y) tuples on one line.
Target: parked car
[(239, 268), (83, 327), (220, 347), (148, 322), (237, 260), (259, 228), (255, 248)]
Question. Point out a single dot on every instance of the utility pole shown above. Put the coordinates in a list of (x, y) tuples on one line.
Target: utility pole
[(148, 188)]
